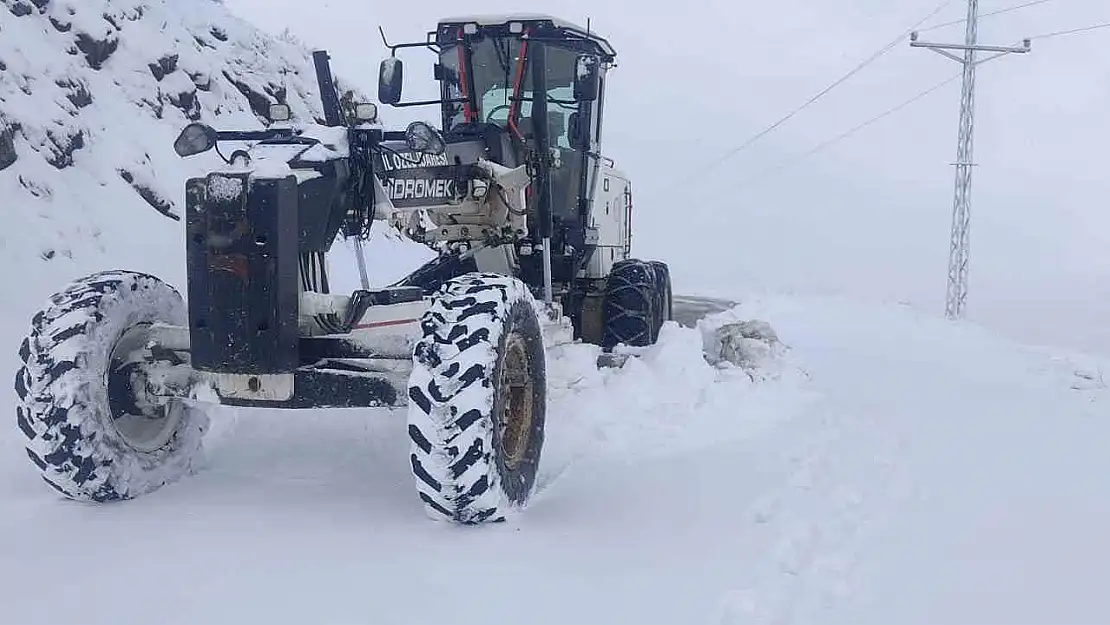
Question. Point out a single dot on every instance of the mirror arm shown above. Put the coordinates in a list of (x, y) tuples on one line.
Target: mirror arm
[(392, 50), (255, 135), (429, 102), (422, 44)]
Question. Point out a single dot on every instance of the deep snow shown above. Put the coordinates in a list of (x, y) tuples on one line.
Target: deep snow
[(894, 468)]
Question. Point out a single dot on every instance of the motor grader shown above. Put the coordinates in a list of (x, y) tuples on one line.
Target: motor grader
[(531, 224)]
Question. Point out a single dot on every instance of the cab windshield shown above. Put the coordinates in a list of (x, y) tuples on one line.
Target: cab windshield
[(497, 72)]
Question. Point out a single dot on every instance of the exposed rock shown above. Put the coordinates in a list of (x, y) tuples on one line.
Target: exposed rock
[(202, 81), (76, 92), (96, 51), (8, 155), (187, 102), (63, 146), (21, 8), (277, 92), (259, 103), (34, 188), (155, 106), (156, 201), (163, 66)]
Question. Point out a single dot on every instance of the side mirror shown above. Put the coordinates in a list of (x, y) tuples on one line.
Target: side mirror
[(422, 138), (587, 80), (390, 78), (196, 138)]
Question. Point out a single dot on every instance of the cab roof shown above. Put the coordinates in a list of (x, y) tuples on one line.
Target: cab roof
[(539, 19)]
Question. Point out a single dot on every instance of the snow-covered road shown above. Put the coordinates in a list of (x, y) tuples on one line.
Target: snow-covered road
[(953, 478), (898, 469)]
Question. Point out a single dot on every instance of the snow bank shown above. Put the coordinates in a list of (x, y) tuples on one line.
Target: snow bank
[(668, 399)]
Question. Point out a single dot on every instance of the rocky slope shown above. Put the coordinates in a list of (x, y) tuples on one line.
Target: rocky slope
[(92, 94)]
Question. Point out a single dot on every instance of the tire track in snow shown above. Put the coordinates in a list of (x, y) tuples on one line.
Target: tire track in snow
[(805, 531)]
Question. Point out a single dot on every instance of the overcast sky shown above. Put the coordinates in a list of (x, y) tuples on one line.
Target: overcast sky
[(869, 216)]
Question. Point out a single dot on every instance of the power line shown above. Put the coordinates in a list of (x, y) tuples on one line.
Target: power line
[(874, 57), (828, 143), (1073, 31), (845, 135), (985, 15), (878, 118)]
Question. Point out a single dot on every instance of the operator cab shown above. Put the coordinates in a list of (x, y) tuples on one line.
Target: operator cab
[(484, 62), (486, 83)]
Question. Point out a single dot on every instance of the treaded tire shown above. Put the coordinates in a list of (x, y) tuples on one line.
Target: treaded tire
[(465, 471), (629, 313), (664, 298), (67, 408)]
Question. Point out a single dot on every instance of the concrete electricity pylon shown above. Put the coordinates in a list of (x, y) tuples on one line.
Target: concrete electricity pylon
[(959, 251)]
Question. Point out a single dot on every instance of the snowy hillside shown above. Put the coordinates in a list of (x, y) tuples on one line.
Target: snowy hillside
[(92, 95)]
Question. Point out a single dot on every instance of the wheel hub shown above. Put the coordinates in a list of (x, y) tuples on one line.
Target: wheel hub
[(518, 392), (143, 418)]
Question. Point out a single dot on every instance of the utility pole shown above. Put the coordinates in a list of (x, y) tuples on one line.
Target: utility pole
[(959, 250)]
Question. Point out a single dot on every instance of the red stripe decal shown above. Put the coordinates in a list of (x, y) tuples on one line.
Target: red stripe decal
[(382, 324)]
